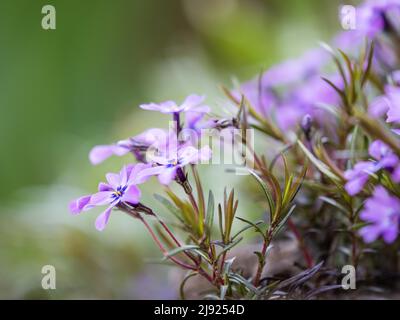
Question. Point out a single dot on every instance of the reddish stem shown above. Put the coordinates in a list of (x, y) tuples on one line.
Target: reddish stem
[(306, 253), (164, 251), (262, 265)]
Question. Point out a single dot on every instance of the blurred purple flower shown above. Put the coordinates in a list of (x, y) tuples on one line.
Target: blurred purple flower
[(295, 70), (378, 106), (396, 77), (382, 211), (393, 94), (167, 162), (388, 104), (358, 176), (307, 98), (119, 188), (372, 16), (135, 144), (191, 103), (384, 159), (196, 121), (260, 97)]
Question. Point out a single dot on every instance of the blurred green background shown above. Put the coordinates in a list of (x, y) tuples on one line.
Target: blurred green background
[(65, 90)]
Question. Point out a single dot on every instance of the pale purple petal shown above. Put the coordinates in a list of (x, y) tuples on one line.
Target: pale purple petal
[(192, 155), (135, 176), (152, 171), (167, 175), (369, 233), (200, 109), (164, 107), (356, 185), (132, 194), (396, 77), (79, 205), (393, 115), (378, 149), (192, 101), (114, 180), (102, 219), (382, 211), (104, 187), (101, 198), (288, 116), (393, 94), (123, 176), (100, 153), (379, 106), (396, 174), (390, 233), (151, 136)]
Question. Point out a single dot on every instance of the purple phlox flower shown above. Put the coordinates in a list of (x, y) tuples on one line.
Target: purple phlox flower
[(378, 106), (393, 94), (382, 211), (374, 16), (349, 40), (396, 77), (296, 70), (288, 115), (135, 144), (260, 97), (102, 152), (306, 98), (191, 103), (167, 162), (120, 187), (358, 176), (315, 92), (388, 104), (196, 121), (383, 157), (372, 19)]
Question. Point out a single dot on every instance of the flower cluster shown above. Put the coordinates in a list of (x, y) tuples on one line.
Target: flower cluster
[(168, 158), (334, 165)]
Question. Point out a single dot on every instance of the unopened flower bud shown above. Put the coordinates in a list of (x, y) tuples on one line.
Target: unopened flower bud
[(306, 124)]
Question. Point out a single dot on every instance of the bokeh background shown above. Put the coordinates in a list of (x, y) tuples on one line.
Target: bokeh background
[(63, 91)]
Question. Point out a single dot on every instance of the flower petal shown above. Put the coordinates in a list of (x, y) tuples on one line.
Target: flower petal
[(80, 204), (100, 153), (164, 107), (354, 186), (132, 194), (104, 187), (167, 175), (123, 176), (102, 219), (134, 175), (101, 198), (114, 180)]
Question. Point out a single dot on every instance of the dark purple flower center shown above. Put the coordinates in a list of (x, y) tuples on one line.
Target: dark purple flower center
[(173, 163), (117, 194)]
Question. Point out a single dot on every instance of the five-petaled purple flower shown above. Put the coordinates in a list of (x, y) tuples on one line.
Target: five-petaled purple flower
[(135, 144), (192, 103), (384, 159), (119, 188), (382, 211), (169, 161)]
